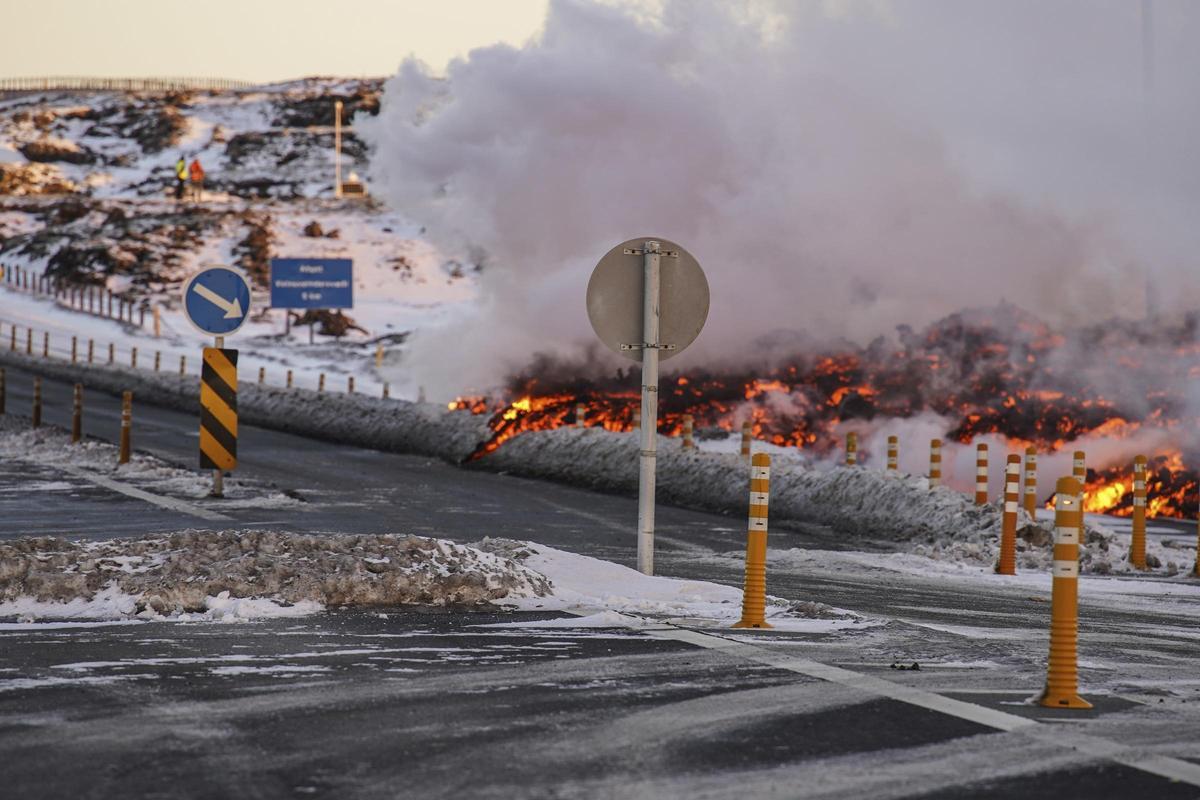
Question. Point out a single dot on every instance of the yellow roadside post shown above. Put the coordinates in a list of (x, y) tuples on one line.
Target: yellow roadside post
[(689, 441), (157, 322), (289, 379), (321, 383), (157, 360), (746, 440), (378, 355), (935, 462), (893, 453), (386, 391), (1008, 531), (580, 411), (1062, 675), (851, 449), (1031, 481), (754, 594), (77, 414), (262, 375), (1079, 473), (126, 426), (1137, 548)]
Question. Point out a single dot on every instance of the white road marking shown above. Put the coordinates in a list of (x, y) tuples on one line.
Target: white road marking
[(170, 503), (1059, 736)]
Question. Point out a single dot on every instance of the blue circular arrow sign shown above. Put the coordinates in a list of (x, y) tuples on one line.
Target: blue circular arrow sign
[(216, 300)]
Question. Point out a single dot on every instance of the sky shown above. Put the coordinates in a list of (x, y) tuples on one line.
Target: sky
[(255, 40)]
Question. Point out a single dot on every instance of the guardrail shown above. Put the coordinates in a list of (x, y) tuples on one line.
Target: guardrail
[(82, 84)]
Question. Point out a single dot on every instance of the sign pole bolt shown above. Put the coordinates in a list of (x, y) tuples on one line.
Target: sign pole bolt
[(893, 454), (1062, 675), (689, 442), (77, 414), (754, 594), (126, 426), (746, 440), (851, 449), (1031, 481), (981, 475), (1137, 548), (1008, 532), (37, 402)]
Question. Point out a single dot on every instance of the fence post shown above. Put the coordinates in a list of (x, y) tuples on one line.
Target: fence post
[(182, 366), (74, 346), (133, 357), (386, 390), (45, 344), (321, 383)]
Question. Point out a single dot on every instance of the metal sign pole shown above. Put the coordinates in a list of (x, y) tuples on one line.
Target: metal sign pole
[(651, 259), (218, 489)]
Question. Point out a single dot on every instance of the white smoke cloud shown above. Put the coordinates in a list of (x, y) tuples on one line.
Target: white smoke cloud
[(836, 168)]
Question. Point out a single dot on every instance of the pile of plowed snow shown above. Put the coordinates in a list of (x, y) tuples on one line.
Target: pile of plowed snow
[(238, 574)]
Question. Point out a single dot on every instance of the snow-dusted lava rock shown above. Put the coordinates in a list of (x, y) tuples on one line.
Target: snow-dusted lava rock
[(198, 571)]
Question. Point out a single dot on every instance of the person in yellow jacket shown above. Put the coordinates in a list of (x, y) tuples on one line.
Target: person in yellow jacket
[(181, 176)]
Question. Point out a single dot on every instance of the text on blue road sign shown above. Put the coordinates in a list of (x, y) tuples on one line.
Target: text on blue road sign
[(312, 283), (217, 300)]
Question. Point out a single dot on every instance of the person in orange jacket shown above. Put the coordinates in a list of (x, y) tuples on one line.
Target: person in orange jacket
[(197, 176)]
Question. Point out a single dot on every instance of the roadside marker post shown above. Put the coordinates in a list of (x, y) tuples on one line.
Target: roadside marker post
[(746, 440), (74, 347), (133, 358), (289, 379), (157, 360), (37, 402), (182, 366), (851, 449), (218, 413), (349, 384), (1137, 547), (1079, 473), (1031, 481), (45, 344), (935, 462), (321, 383), (386, 391), (1008, 530), (77, 414), (112, 353), (647, 299), (579, 412), (29, 341), (893, 454), (262, 375), (378, 355), (157, 322), (1195, 569), (126, 426), (1062, 674), (12, 343), (689, 443), (216, 301), (754, 592), (981, 475)]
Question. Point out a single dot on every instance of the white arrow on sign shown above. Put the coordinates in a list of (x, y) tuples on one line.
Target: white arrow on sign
[(232, 309)]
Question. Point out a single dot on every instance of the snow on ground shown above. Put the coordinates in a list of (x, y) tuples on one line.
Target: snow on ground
[(51, 446), (233, 575)]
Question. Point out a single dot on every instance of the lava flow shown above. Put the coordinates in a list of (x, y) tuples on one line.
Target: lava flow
[(995, 371)]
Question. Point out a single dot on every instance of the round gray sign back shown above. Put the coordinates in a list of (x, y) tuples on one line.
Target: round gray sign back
[(614, 297)]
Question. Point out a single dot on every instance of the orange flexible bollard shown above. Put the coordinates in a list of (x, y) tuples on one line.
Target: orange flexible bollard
[(1062, 674), (851, 449), (1031, 481), (77, 414), (126, 426), (689, 443), (893, 453), (579, 415), (935, 462), (981, 475), (1079, 473), (746, 440), (1008, 530), (262, 375), (754, 594), (1137, 547)]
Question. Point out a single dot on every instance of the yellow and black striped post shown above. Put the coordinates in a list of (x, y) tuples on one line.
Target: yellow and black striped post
[(218, 413), (689, 441), (580, 412), (37, 402), (126, 426), (981, 475), (1031, 481), (1062, 674), (851, 449), (754, 594), (746, 440), (935, 462), (77, 414), (893, 453), (1137, 547), (289, 379)]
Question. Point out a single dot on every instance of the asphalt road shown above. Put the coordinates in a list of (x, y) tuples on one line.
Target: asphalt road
[(423, 704)]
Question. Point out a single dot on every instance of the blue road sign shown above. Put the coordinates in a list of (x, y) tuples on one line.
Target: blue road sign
[(312, 283), (217, 300)]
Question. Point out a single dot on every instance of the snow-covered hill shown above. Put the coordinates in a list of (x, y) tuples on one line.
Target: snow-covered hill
[(87, 198)]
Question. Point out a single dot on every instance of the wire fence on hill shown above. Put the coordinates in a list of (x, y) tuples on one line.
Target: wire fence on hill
[(85, 84)]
